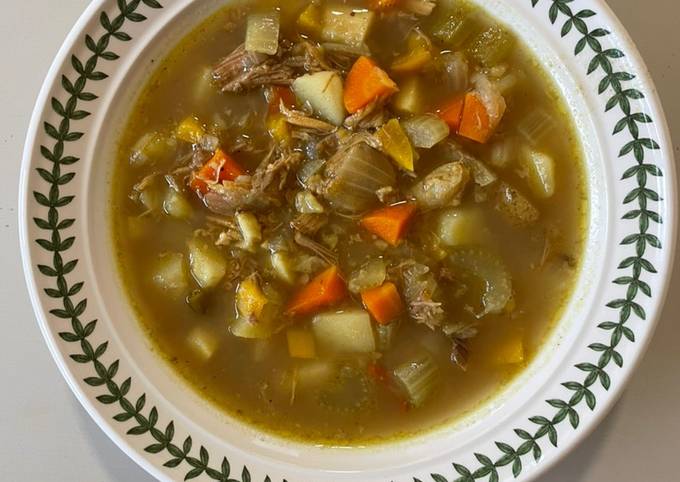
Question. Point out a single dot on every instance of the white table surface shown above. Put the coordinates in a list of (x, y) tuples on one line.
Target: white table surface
[(46, 435)]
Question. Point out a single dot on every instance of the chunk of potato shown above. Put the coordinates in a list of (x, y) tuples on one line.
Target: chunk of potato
[(346, 24), (347, 332), (203, 341), (460, 226), (170, 272), (176, 205), (324, 93), (540, 171), (208, 266)]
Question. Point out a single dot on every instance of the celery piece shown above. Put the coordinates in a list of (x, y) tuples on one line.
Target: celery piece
[(426, 130), (491, 46), (262, 33), (417, 378), (455, 26)]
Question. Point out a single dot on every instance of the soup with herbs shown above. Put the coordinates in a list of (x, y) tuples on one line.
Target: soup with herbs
[(346, 222)]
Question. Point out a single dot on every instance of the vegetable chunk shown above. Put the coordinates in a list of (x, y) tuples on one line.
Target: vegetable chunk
[(208, 266), (390, 223), (346, 25), (383, 303), (262, 33), (365, 83), (326, 289), (348, 332), (324, 93)]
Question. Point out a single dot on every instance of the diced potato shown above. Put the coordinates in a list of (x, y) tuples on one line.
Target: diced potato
[(310, 20), (324, 93), (176, 205), (262, 32), (409, 99), (460, 226), (345, 24), (250, 300), (151, 148), (307, 203), (283, 267), (190, 130), (250, 230), (170, 272), (301, 343), (208, 266), (347, 332), (151, 197), (313, 373), (204, 342), (511, 351), (540, 170)]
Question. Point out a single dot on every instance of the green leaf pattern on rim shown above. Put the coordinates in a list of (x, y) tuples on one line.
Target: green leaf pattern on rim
[(196, 461)]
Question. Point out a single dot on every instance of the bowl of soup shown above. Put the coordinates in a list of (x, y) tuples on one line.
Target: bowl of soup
[(369, 240)]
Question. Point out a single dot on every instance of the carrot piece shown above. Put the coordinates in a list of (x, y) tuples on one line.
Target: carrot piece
[(221, 167), (275, 95), (475, 123), (365, 83), (390, 223), (382, 5), (452, 112), (383, 303), (326, 289)]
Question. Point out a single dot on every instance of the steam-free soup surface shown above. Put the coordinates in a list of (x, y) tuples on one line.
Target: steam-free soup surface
[(349, 222)]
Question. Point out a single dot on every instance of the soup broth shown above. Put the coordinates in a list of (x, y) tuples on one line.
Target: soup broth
[(346, 222)]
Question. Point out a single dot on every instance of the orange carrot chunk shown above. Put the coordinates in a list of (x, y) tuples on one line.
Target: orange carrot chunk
[(365, 83), (390, 223), (452, 112), (475, 123), (221, 167), (383, 303), (326, 289)]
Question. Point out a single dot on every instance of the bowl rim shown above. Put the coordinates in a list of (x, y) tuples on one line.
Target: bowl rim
[(651, 98)]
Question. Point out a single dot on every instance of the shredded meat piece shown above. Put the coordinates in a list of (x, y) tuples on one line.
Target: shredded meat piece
[(309, 223), (318, 249), (300, 119), (420, 291), (242, 70), (268, 171), (256, 192), (460, 353), (308, 57), (371, 116), (516, 208), (442, 187)]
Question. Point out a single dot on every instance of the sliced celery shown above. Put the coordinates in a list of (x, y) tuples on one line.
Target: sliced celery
[(491, 46), (418, 378), (262, 33)]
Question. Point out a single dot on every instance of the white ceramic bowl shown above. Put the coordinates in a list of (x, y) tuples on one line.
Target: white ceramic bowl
[(166, 428)]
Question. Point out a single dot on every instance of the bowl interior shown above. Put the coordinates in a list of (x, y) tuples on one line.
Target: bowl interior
[(177, 398)]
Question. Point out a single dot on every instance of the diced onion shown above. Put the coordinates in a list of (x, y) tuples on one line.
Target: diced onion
[(426, 130)]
